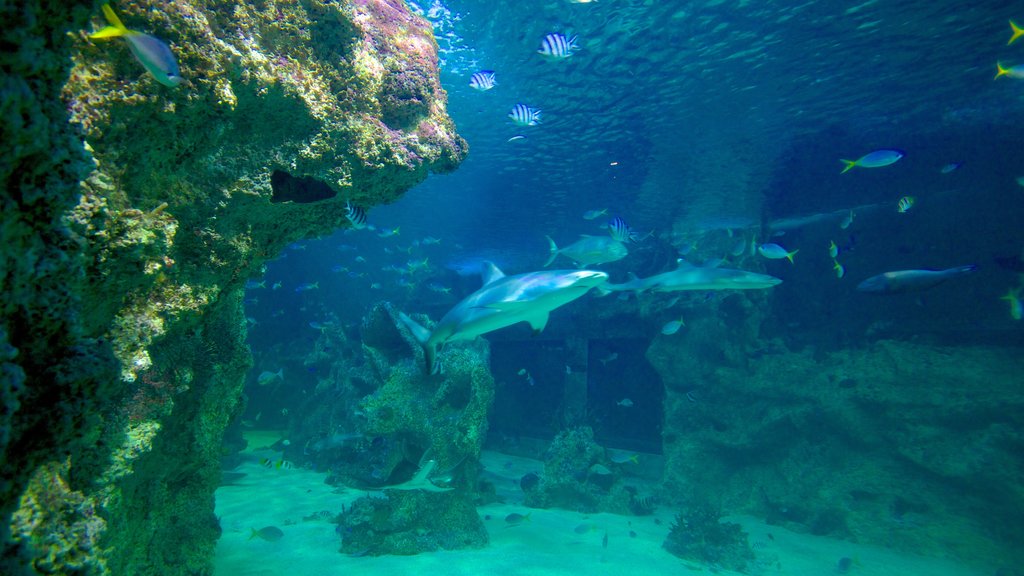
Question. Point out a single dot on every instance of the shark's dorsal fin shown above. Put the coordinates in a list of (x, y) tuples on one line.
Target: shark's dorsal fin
[(683, 263), (490, 272)]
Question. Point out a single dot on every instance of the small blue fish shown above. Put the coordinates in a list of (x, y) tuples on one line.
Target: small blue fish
[(594, 214), (839, 269), (672, 327), (847, 221), (876, 159), (1016, 72), (951, 167), (355, 215), (523, 115), (308, 287), (833, 250), (557, 46), (151, 52), (776, 252), (483, 80), (1016, 307)]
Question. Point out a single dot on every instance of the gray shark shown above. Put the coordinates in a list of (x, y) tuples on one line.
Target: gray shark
[(690, 277), (900, 281), (503, 301)]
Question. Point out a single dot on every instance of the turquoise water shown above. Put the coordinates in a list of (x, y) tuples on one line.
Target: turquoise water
[(889, 420)]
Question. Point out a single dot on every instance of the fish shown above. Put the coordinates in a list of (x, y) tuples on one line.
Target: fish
[(515, 519), (154, 55), (739, 248), (307, 286), (1015, 32), (268, 533), (267, 377), (625, 403), (622, 456), (672, 326), (619, 230), (355, 215), (905, 203), (503, 301), (594, 214), (609, 358), (1016, 307), (389, 233), (847, 221), (833, 250), (523, 115), (584, 528), (689, 277), (776, 252), (253, 285), (278, 464), (875, 159), (1011, 72), (557, 46), (951, 167), (1020, 180), (901, 281), (276, 286), (430, 241), (589, 250), (483, 80), (516, 137), (840, 270)]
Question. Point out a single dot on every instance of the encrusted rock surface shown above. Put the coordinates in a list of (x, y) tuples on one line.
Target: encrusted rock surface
[(132, 215)]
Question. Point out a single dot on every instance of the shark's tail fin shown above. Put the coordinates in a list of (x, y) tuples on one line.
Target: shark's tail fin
[(554, 252), (422, 336)]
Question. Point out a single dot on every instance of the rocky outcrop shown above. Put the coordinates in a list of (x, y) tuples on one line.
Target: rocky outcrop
[(134, 212)]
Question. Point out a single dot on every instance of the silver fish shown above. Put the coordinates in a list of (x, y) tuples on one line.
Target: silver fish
[(690, 277), (900, 281), (589, 250)]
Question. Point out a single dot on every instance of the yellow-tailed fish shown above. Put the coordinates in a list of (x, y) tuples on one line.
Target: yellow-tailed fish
[(151, 52), (905, 203), (876, 159), (833, 250), (1012, 72), (1016, 306), (839, 268), (1017, 32)]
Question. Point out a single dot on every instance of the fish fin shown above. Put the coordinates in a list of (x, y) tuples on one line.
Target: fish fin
[(116, 28), (632, 277), (956, 271), (254, 532), (554, 252), (422, 336), (538, 323), (1017, 32), (1000, 71), (789, 255), (849, 164), (490, 272)]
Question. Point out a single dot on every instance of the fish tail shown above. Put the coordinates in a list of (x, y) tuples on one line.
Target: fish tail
[(422, 335), (1017, 32), (1000, 71), (554, 252), (116, 28), (961, 270), (254, 532), (849, 164), (789, 255)]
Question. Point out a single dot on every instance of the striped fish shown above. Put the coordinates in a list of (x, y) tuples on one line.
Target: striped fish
[(523, 115), (556, 45), (904, 204), (355, 215), (483, 80), (619, 229)]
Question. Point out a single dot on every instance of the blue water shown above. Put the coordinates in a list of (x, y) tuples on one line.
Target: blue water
[(701, 123)]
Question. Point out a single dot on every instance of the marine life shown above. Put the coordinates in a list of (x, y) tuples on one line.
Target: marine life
[(278, 464), (268, 533), (875, 159), (589, 250), (151, 52), (420, 481), (515, 519), (847, 221), (951, 167), (1016, 306), (389, 233), (900, 281), (557, 46), (584, 528), (839, 269), (503, 301), (904, 204), (776, 252), (1016, 72), (689, 277), (672, 326), (355, 215), (594, 214), (308, 286), (619, 230), (1015, 32), (483, 80), (625, 403), (622, 456), (523, 115), (267, 377), (516, 137), (609, 358), (833, 250)]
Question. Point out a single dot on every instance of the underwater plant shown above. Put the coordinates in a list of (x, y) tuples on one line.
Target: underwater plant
[(697, 534)]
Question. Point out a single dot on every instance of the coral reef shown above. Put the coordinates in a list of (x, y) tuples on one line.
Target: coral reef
[(697, 534), (133, 214), (924, 436)]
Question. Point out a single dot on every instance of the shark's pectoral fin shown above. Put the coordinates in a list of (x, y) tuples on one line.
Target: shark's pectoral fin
[(538, 322)]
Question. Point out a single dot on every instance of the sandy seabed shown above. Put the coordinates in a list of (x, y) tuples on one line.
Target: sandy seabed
[(547, 544)]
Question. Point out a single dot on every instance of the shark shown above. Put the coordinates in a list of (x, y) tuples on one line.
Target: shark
[(503, 301), (690, 277)]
